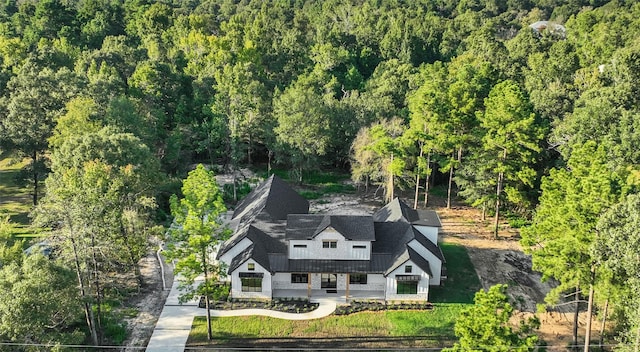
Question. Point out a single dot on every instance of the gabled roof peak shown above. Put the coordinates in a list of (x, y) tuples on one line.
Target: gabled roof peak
[(396, 210)]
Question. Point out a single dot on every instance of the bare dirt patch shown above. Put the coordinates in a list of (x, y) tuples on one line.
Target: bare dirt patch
[(503, 261), (149, 302)]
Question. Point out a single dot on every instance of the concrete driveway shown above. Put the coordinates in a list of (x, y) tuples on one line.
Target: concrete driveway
[(173, 326)]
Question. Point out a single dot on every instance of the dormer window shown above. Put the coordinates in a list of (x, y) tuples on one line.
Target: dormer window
[(408, 269), (329, 244), (251, 266)]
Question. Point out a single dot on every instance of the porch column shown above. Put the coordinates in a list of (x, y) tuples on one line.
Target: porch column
[(346, 295), (308, 285)]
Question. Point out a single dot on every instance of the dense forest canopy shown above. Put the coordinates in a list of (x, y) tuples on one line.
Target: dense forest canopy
[(500, 106)]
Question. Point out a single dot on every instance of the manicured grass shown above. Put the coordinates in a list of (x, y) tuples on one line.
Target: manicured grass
[(437, 323), (449, 300), (462, 282)]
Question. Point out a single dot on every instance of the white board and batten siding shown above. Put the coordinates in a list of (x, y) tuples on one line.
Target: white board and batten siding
[(236, 282), (429, 232), (345, 250), (227, 258), (423, 284), (435, 264), (375, 282)]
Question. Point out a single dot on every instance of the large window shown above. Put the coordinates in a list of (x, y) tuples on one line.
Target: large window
[(407, 287), (328, 281), (299, 278), (358, 279), (251, 284), (329, 244)]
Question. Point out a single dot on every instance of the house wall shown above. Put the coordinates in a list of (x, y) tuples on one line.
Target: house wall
[(435, 264), (423, 284), (375, 282), (344, 250), (430, 232), (227, 258), (236, 283), (316, 282)]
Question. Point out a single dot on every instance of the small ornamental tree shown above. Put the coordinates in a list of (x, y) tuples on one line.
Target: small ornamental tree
[(485, 326), (196, 233)]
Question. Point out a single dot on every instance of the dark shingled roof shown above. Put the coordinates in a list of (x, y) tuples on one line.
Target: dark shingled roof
[(409, 254), (430, 246), (258, 251), (273, 196), (396, 210), (272, 245), (391, 237), (428, 218), (352, 227)]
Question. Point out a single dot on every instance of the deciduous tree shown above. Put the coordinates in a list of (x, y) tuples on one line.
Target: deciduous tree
[(195, 234)]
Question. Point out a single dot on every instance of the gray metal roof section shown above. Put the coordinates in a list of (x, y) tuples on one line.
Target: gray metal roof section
[(377, 265), (396, 210), (352, 227), (274, 197)]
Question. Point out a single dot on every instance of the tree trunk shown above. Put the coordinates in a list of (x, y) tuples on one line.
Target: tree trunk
[(449, 186), (498, 193), (575, 318), (269, 156), (484, 211), (34, 157), (604, 323), (390, 184), (132, 258), (96, 281), (205, 271), (88, 311), (417, 194), (426, 182), (249, 149), (587, 335)]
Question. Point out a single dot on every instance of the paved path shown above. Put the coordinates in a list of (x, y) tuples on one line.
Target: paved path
[(174, 324)]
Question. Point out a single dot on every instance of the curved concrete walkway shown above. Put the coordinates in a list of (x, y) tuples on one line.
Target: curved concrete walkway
[(173, 326)]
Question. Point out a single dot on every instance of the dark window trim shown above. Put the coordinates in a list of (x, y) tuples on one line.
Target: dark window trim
[(256, 275), (304, 278), (299, 246), (358, 279), (251, 284), (330, 244), (407, 287), (359, 246)]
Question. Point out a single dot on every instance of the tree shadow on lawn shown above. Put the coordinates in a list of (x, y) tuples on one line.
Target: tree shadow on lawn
[(462, 281)]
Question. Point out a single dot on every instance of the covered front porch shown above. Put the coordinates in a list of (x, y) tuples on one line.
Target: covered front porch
[(340, 296)]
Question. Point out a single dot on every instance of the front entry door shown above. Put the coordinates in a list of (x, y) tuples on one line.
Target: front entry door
[(329, 281)]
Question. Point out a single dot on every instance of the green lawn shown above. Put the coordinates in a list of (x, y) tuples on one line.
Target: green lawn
[(449, 301), (15, 200)]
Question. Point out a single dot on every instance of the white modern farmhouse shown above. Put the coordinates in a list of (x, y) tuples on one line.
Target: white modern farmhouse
[(278, 249)]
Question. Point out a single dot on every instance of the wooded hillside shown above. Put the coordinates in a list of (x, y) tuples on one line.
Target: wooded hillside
[(118, 99)]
